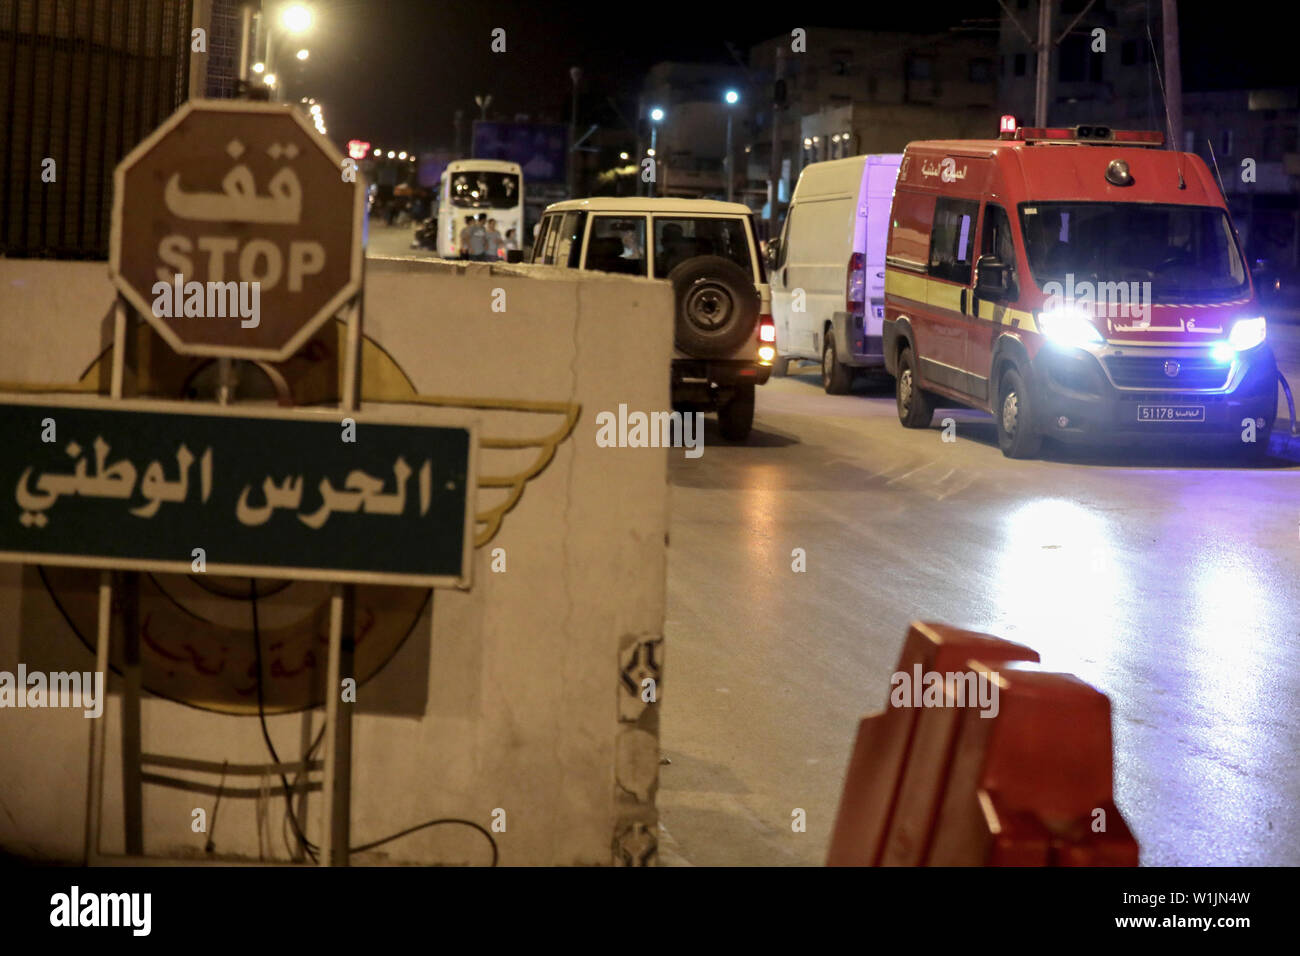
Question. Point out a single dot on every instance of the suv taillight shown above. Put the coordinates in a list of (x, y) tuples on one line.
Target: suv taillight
[(855, 285), (767, 340)]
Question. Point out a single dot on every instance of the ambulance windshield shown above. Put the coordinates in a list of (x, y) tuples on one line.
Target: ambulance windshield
[(1187, 253)]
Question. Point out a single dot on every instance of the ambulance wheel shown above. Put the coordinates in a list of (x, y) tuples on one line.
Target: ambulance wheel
[(915, 407), (736, 417), (837, 378), (1256, 452), (1016, 435)]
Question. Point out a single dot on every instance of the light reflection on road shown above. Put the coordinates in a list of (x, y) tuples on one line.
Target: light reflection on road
[(1058, 583)]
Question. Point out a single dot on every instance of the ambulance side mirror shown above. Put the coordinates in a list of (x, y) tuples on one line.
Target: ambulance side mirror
[(992, 278)]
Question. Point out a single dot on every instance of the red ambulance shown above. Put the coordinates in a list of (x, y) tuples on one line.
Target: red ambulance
[(1082, 284)]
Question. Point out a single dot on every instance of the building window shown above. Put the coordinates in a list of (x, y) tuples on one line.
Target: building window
[(1077, 62), (1020, 64), (920, 67), (981, 70)]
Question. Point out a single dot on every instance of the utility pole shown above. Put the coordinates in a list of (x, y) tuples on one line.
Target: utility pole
[(731, 173), (1043, 77), (1173, 74), (575, 74), (774, 174)]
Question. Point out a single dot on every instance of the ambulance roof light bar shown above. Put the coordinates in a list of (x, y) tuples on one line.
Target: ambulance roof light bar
[(1079, 134)]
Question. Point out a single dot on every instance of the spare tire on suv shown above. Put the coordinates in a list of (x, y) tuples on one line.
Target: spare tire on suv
[(717, 306)]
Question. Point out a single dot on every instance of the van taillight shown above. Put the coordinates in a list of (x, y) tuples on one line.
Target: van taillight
[(766, 329), (855, 285)]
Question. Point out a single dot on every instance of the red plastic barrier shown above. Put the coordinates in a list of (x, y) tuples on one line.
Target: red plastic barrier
[(943, 785)]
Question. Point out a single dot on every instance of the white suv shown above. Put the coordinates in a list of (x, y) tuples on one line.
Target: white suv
[(723, 331)]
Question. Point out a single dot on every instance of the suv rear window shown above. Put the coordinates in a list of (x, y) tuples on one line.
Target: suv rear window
[(678, 238), (559, 240)]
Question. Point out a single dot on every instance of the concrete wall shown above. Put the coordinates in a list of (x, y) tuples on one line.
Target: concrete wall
[(507, 696)]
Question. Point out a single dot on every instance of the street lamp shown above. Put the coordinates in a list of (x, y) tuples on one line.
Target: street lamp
[(731, 97), (656, 117), (296, 18)]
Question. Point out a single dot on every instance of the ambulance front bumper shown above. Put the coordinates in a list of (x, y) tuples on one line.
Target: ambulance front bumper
[(1134, 394)]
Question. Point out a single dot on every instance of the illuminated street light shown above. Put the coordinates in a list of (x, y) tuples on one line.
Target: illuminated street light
[(402, 155), (656, 117), (391, 154), (302, 54), (315, 110), (259, 67), (622, 155), (731, 97), (269, 80), (296, 18)]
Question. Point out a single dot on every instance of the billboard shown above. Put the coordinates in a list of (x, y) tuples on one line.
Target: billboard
[(538, 147)]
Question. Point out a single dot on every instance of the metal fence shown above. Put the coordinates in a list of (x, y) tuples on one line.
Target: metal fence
[(81, 83)]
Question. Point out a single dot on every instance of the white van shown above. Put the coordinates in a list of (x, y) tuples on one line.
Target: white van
[(828, 268)]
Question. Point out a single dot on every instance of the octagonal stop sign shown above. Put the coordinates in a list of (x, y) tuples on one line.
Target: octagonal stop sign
[(236, 230)]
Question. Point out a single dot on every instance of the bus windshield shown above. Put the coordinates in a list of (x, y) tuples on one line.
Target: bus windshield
[(1187, 253), (484, 190)]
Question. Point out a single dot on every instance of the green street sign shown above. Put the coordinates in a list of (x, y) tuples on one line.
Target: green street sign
[(375, 497)]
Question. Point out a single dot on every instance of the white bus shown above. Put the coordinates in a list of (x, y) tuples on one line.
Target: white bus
[(472, 186)]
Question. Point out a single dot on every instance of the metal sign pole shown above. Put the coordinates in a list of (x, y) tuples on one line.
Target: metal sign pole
[(342, 649), (104, 629)]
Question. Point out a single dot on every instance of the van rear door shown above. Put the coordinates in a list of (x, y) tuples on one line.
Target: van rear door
[(820, 244), (882, 174)]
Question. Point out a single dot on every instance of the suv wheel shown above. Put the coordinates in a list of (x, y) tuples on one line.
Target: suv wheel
[(736, 417), (716, 306), (1015, 415), (915, 407), (837, 378)]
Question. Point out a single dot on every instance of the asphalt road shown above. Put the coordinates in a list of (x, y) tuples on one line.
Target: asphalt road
[(1170, 583)]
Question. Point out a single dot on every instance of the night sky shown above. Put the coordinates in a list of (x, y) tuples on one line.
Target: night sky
[(394, 71)]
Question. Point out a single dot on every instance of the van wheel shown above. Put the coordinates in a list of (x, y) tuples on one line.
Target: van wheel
[(736, 417), (780, 367), (1015, 414), (915, 407), (837, 378)]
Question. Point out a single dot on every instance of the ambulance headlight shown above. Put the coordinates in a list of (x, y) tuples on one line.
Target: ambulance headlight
[(1068, 326), (1246, 333), (1222, 352)]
